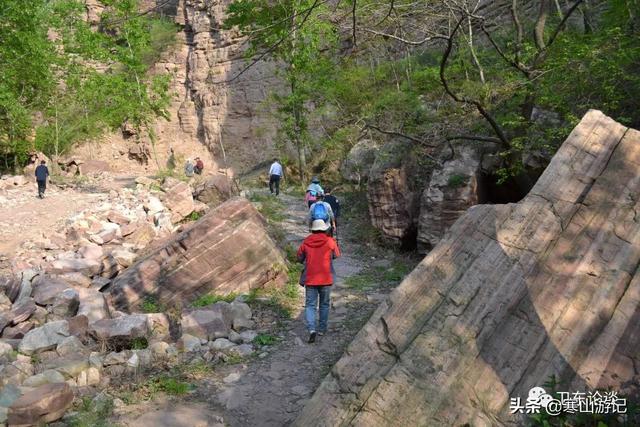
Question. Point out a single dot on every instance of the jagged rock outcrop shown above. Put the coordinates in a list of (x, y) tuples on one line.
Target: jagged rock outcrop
[(513, 295), (452, 189), (393, 192), (357, 164), (227, 250)]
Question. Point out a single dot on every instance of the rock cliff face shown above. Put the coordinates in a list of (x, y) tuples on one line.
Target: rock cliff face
[(511, 296), (225, 124), (452, 189), (392, 193), (226, 251)]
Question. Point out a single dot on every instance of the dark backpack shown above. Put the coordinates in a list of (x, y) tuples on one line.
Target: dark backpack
[(320, 212)]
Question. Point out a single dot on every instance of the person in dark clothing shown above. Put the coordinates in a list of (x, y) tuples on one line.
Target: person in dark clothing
[(199, 166), (335, 205), (42, 172)]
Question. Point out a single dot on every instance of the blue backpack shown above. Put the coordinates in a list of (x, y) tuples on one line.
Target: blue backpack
[(320, 212)]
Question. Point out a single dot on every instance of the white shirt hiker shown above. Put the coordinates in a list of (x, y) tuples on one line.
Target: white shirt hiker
[(276, 169)]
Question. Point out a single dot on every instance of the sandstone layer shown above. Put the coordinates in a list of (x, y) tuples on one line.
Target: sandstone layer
[(513, 295), (226, 251)]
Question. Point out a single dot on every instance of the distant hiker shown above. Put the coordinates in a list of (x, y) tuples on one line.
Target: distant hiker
[(171, 161), (317, 252), (313, 191), (321, 210), (42, 172), (335, 205), (199, 166), (189, 168), (275, 173)]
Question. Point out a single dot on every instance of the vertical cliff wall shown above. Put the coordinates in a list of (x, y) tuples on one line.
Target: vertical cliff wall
[(227, 124)]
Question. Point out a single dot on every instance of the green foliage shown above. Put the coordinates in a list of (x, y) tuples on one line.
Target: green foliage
[(82, 80), (169, 385), (151, 305), (139, 343), (92, 414), (194, 216), (208, 299), (270, 207), (457, 180), (265, 339)]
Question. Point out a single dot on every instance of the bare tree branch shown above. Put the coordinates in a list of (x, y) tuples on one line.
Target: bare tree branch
[(400, 39), (519, 31), (353, 18), (273, 47), (513, 62), (410, 138), (483, 111), (474, 138), (391, 5)]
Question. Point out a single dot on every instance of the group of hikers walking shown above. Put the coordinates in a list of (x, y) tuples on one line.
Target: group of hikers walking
[(317, 251)]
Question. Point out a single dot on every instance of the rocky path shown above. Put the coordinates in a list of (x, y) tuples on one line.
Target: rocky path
[(25, 217), (271, 388)]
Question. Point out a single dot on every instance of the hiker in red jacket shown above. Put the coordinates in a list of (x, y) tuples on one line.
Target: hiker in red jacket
[(317, 252)]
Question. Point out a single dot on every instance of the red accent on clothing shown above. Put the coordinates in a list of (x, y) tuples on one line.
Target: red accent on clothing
[(318, 251)]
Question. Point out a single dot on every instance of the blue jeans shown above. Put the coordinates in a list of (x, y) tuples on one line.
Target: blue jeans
[(312, 295)]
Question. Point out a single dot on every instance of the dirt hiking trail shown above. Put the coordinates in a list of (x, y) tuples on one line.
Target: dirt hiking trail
[(271, 388)]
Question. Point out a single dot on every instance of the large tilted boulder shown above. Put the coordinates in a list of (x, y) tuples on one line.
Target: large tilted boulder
[(514, 295), (227, 250)]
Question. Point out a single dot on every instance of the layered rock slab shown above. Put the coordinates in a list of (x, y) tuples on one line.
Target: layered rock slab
[(513, 295), (227, 250)]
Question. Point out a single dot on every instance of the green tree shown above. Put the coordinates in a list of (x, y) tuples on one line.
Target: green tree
[(296, 34), (26, 78)]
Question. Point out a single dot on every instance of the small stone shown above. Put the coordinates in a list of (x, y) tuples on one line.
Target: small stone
[(189, 343), (221, 344), (248, 336), (241, 316), (45, 337), (5, 348), (242, 350), (134, 361), (96, 359), (70, 346), (49, 376), (235, 337), (93, 376), (231, 378), (159, 349), (114, 358)]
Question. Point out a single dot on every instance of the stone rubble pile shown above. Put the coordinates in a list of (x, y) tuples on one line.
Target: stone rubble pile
[(42, 370), (60, 336), (103, 240)]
